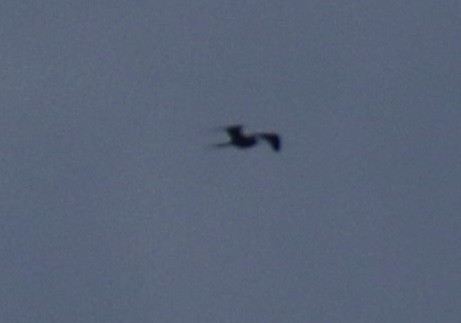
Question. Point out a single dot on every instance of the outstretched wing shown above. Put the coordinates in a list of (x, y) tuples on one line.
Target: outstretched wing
[(272, 139), (234, 131)]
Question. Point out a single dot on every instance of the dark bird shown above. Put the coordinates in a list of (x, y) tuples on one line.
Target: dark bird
[(239, 140)]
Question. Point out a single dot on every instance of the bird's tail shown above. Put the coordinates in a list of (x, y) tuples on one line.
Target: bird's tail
[(222, 145)]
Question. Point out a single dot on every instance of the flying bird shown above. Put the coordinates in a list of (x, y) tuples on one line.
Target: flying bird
[(240, 140)]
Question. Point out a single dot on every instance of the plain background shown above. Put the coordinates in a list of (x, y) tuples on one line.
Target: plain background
[(115, 207)]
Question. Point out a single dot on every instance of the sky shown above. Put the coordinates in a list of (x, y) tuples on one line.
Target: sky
[(116, 207)]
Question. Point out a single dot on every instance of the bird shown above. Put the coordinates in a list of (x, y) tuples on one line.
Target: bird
[(242, 141)]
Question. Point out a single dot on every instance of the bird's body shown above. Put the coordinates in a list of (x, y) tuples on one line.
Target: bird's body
[(239, 140)]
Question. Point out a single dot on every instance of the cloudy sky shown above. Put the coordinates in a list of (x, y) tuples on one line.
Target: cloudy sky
[(116, 207)]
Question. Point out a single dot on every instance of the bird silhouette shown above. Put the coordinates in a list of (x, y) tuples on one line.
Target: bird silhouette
[(240, 140)]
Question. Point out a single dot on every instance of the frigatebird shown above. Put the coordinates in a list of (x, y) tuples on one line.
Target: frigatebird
[(240, 140)]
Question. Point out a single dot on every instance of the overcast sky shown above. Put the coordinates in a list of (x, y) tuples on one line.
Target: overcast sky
[(116, 207)]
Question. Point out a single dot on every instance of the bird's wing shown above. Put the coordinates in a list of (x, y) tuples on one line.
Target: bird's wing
[(234, 131), (273, 139)]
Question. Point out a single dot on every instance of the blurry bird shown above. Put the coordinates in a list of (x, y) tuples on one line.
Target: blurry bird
[(242, 141)]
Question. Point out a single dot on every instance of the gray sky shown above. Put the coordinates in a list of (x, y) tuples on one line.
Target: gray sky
[(114, 207)]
